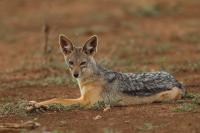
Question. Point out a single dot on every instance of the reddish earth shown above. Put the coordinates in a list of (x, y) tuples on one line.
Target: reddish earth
[(128, 42)]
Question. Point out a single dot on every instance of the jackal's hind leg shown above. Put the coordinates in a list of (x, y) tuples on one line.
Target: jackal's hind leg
[(173, 94)]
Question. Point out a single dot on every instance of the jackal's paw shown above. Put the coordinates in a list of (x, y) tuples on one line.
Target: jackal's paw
[(34, 106)]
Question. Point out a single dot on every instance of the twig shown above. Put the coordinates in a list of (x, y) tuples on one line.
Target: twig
[(46, 30), (16, 126), (46, 47)]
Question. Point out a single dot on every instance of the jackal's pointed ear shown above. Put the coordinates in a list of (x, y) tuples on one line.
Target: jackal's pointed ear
[(65, 44), (90, 47)]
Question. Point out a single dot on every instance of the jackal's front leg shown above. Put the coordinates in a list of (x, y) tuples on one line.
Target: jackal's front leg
[(62, 101), (65, 102)]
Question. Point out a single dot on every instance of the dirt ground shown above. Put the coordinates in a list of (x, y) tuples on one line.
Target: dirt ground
[(133, 36)]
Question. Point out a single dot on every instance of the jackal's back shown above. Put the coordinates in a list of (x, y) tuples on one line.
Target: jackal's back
[(141, 84)]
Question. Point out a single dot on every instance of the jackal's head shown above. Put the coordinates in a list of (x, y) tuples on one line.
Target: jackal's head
[(79, 59)]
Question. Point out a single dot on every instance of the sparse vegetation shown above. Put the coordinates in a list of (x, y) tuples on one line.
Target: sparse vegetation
[(190, 37), (42, 81), (160, 48), (16, 108), (188, 66), (19, 108), (154, 9), (88, 30), (54, 131), (191, 95), (59, 107), (108, 130), (98, 105), (194, 96), (187, 107), (147, 126)]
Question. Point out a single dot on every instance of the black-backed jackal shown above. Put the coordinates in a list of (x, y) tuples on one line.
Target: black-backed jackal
[(99, 84)]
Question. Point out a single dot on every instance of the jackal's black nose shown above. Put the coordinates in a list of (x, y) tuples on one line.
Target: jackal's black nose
[(76, 75)]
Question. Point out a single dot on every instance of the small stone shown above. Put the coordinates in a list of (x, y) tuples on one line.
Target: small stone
[(127, 121), (35, 119), (97, 117), (107, 108)]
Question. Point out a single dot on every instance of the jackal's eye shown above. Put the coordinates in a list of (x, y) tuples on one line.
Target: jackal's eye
[(83, 63), (71, 63)]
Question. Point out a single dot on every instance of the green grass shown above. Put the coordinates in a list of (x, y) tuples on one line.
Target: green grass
[(88, 30), (191, 37), (198, 49), (42, 81), (16, 108), (54, 131), (128, 25), (147, 126), (98, 105), (149, 10), (163, 47), (160, 48), (50, 73), (8, 34), (59, 107), (153, 9), (161, 61), (187, 66), (191, 95), (7, 99), (188, 107), (19, 108), (185, 107), (98, 16), (194, 96), (108, 130)]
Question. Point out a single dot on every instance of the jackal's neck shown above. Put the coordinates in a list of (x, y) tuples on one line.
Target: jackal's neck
[(95, 75)]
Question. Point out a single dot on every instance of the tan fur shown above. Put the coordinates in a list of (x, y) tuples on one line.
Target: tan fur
[(91, 93), (173, 94)]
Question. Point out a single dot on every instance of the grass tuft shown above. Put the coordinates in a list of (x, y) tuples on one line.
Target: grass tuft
[(188, 66), (154, 9), (18, 108), (191, 95), (98, 105), (54, 131), (41, 81), (59, 107), (185, 107), (147, 126), (108, 130)]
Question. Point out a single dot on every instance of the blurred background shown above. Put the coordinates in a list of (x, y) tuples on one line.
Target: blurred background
[(134, 36)]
